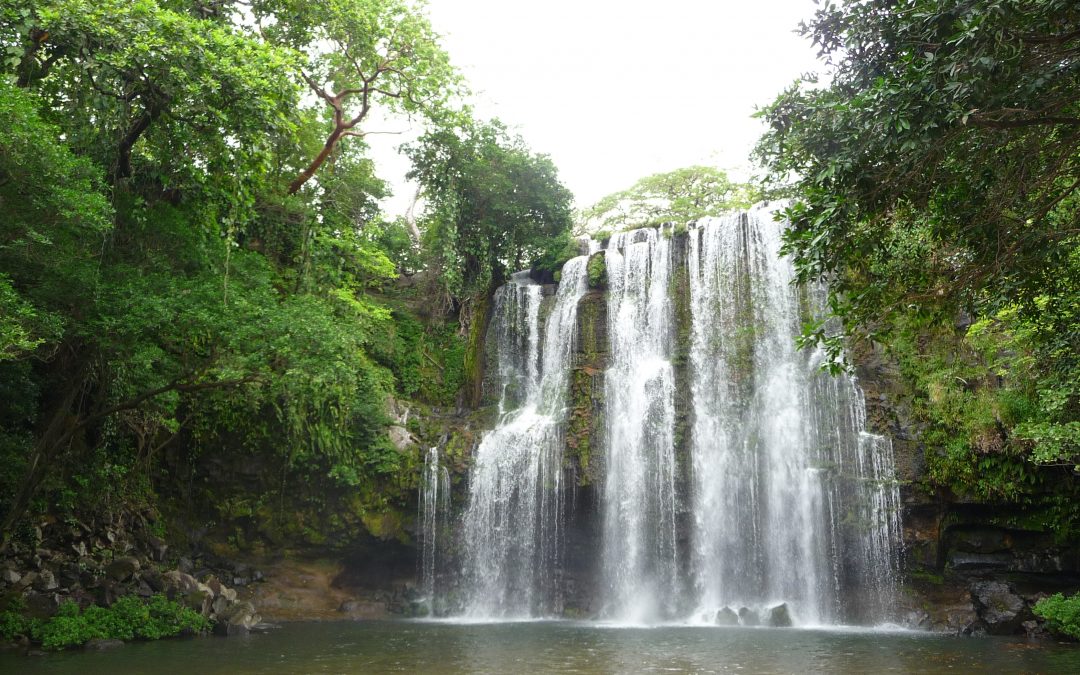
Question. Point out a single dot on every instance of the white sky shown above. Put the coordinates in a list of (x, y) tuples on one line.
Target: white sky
[(617, 90)]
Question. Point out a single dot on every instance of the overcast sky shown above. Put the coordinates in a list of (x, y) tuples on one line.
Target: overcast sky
[(615, 90)]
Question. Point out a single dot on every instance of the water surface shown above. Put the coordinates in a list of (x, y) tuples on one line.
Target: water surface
[(560, 647)]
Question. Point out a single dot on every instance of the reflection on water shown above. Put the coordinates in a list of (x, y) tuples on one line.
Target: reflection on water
[(561, 647)]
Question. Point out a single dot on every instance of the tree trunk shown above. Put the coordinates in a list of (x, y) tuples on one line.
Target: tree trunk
[(307, 173), (53, 437)]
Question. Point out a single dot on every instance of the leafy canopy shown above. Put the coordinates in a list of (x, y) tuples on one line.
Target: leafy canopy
[(678, 196), (493, 205), (938, 171)]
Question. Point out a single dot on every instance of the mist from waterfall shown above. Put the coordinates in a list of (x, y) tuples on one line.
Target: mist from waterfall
[(512, 525)]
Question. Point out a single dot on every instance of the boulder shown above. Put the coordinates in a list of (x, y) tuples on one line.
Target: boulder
[(401, 438), (123, 568), (158, 547), (10, 576), (99, 645), (181, 583), (215, 585), (220, 606), (46, 581), (70, 575), (779, 616), (243, 613), (999, 607), (108, 592), (154, 580), (41, 605), (727, 617), (238, 620), (1035, 630), (200, 600), (748, 617)]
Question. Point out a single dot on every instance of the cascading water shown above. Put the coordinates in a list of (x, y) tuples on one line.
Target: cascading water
[(733, 475), (640, 558), (780, 456), (512, 523), (434, 515)]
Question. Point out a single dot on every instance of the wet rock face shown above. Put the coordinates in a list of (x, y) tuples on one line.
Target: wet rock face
[(1000, 608), (585, 432), (972, 548)]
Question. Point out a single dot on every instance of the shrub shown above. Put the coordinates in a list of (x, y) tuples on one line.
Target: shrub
[(1062, 615), (597, 271), (14, 624), (128, 618)]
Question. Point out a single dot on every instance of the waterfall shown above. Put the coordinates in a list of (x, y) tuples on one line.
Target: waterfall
[(512, 525), (640, 556), (793, 501), (434, 514), (731, 474)]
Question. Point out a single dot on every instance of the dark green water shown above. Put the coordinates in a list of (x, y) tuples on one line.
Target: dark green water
[(560, 647)]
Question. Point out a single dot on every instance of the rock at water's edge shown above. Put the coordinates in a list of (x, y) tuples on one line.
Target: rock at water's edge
[(727, 617), (748, 617), (779, 616)]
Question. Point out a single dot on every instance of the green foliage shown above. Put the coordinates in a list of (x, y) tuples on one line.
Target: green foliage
[(597, 271), (494, 206), (129, 618), (161, 96), (678, 196), (1062, 615), (13, 624), (54, 217), (361, 55), (938, 172), (161, 287), (558, 250)]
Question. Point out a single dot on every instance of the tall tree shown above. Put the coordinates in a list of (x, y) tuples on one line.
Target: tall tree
[(362, 56), (493, 204)]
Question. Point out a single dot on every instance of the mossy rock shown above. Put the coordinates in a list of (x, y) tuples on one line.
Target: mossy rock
[(597, 271)]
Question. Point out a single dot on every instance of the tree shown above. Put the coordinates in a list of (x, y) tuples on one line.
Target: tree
[(158, 95), (493, 204), (156, 288), (676, 196), (362, 55), (939, 170)]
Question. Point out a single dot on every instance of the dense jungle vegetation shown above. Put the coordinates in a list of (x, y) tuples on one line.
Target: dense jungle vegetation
[(935, 180), (194, 267), (196, 276)]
